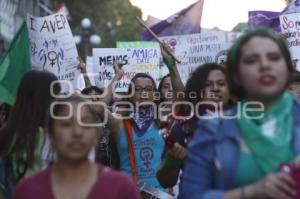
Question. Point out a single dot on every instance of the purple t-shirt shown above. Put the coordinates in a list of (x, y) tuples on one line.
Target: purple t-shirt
[(109, 185)]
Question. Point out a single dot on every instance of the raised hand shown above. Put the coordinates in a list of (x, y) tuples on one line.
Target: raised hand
[(167, 58), (81, 66), (118, 69)]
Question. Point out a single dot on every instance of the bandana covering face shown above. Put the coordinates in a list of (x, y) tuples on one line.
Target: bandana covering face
[(142, 118)]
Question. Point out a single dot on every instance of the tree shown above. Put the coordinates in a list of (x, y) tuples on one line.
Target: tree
[(240, 27), (287, 1), (113, 20)]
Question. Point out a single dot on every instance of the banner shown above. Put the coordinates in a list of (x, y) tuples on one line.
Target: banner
[(197, 49), (163, 70), (271, 19), (264, 19), (290, 24), (135, 60), (53, 47)]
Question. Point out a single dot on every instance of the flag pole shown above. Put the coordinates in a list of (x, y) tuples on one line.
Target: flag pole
[(158, 40)]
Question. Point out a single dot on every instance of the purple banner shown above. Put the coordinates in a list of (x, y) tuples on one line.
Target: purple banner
[(261, 18), (271, 19)]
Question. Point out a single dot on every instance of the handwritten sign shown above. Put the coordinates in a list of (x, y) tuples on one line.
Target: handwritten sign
[(162, 70), (145, 60), (290, 27), (135, 60), (197, 49), (53, 47), (103, 59)]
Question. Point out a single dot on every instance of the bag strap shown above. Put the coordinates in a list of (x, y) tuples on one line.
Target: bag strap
[(129, 133)]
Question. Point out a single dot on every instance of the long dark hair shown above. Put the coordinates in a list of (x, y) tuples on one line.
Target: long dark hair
[(89, 90), (19, 138), (197, 80), (160, 85), (4, 113)]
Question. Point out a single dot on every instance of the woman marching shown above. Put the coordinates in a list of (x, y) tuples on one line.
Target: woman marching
[(140, 144), (239, 156), (73, 134), (22, 138), (207, 85)]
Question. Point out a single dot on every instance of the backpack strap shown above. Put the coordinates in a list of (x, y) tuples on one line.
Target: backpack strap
[(129, 132)]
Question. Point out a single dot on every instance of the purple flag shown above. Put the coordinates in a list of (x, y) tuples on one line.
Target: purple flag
[(271, 19), (260, 18), (186, 21), (152, 21)]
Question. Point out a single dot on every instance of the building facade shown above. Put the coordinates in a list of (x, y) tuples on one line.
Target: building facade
[(13, 14)]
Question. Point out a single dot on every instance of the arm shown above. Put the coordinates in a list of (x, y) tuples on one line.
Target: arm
[(82, 67), (168, 173), (198, 174), (109, 89), (274, 185), (174, 74), (113, 123)]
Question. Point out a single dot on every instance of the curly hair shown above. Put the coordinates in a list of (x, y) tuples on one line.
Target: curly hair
[(197, 80)]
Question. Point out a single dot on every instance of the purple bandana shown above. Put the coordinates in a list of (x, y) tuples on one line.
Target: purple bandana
[(142, 119)]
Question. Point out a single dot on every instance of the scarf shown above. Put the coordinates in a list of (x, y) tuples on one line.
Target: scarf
[(270, 137), (142, 118)]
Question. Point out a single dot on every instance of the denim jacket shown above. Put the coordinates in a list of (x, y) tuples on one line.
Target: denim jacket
[(213, 155)]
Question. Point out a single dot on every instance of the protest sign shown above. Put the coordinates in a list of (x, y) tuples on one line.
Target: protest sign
[(53, 47), (197, 49), (135, 60), (145, 60), (163, 70), (290, 25), (103, 59)]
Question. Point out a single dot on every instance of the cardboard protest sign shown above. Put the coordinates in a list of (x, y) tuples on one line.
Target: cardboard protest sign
[(135, 60), (145, 60), (290, 25), (197, 49), (163, 70), (103, 59), (53, 47)]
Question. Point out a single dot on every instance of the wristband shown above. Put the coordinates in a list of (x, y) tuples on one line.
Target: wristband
[(170, 62)]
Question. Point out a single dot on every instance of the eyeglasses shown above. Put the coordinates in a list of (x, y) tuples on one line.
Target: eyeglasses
[(139, 89)]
